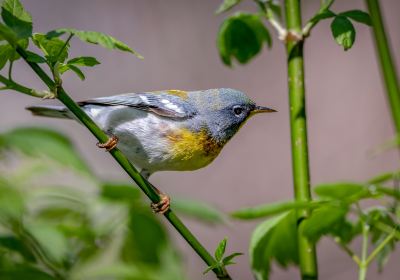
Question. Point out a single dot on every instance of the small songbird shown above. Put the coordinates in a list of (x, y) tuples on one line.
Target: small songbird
[(166, 130)]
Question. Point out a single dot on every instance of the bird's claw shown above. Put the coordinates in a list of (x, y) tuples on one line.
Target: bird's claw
[(110, 144), (162, 206)]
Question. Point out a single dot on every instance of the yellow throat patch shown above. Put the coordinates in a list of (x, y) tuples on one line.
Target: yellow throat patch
[(197, 149)]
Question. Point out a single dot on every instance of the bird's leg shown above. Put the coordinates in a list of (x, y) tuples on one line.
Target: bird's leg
[(110, 144), (163, 205)]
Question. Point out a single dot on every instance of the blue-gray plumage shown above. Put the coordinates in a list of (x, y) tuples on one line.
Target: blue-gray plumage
[(168, 130)]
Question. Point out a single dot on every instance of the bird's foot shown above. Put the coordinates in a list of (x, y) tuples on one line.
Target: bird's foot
[(110, 144), (162, 206)]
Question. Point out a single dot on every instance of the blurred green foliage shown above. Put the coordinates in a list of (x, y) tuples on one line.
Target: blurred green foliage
[(58, 221)]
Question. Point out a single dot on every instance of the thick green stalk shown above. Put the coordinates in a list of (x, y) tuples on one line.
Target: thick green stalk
[(386, 61), (126, 165), (298, 124)]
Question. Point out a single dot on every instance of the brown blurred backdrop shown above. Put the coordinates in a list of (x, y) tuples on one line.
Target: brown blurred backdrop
[(347, 111)]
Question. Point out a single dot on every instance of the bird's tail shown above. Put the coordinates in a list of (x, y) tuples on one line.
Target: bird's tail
[(51, 111)]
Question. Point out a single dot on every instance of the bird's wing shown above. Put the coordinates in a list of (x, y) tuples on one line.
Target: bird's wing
[(160, 103)]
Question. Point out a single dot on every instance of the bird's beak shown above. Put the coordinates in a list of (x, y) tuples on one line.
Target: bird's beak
[(261, 109)]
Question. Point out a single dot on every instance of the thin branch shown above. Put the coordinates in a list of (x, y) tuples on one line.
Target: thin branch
[(324, 8), (380, 247), (350, 252), (10, 67), (22, 89), (145, 186)]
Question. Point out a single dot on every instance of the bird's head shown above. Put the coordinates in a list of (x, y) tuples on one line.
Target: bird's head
[(225, 110)]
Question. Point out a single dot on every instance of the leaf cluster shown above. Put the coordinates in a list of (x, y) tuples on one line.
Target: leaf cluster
[(336, 213), (221, 261), (80, 226), (52, 48), (243, 35)]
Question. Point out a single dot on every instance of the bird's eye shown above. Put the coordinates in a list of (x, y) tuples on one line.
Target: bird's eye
[(237, 110)]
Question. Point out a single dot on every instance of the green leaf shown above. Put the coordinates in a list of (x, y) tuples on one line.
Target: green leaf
[(54, 49), (12, 205), (343, 31), (275, 238), (7, 34), (227, 5), (120, 192), (16, 18), (198, 210), (83, 61), (322, 15), (220, 251), (20, 272), (33, 57), (273, 209), (228, 259), (322, 221), (44, 143), (341, 191), (383, 178), (77, 71), (359, 16), (51, 240), (8, 52), (146, 237), (242, 36), (94, 37)]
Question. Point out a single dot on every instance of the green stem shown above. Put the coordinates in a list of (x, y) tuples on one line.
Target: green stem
[(388, 229), (379, 248), (362, 274), (127, 166), (20, 88), (354, 257), (325, 5), (386, 61), (298, 124)]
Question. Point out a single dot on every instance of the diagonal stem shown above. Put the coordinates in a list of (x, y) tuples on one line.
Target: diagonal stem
[(145, 186)]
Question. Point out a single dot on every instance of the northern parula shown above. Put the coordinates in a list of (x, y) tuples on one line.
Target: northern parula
[(167, 130)]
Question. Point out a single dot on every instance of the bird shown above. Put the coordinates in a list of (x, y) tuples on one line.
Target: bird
[(173, 130)]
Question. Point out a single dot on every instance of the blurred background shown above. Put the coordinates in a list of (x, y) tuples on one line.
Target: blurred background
[(347, 110)]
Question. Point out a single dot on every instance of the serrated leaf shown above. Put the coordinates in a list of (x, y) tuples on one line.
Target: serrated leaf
[(242, 37), (220, 251), (227, 5), (343, 31), (83, 61), (54, 49), (198, 210), (322, 221), (97, 38), (17, 18), (274, 239), (273, 209), (342, 190), (359, 16), (43, 143)]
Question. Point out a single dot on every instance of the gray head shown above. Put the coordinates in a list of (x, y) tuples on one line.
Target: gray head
[(225, 110)]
